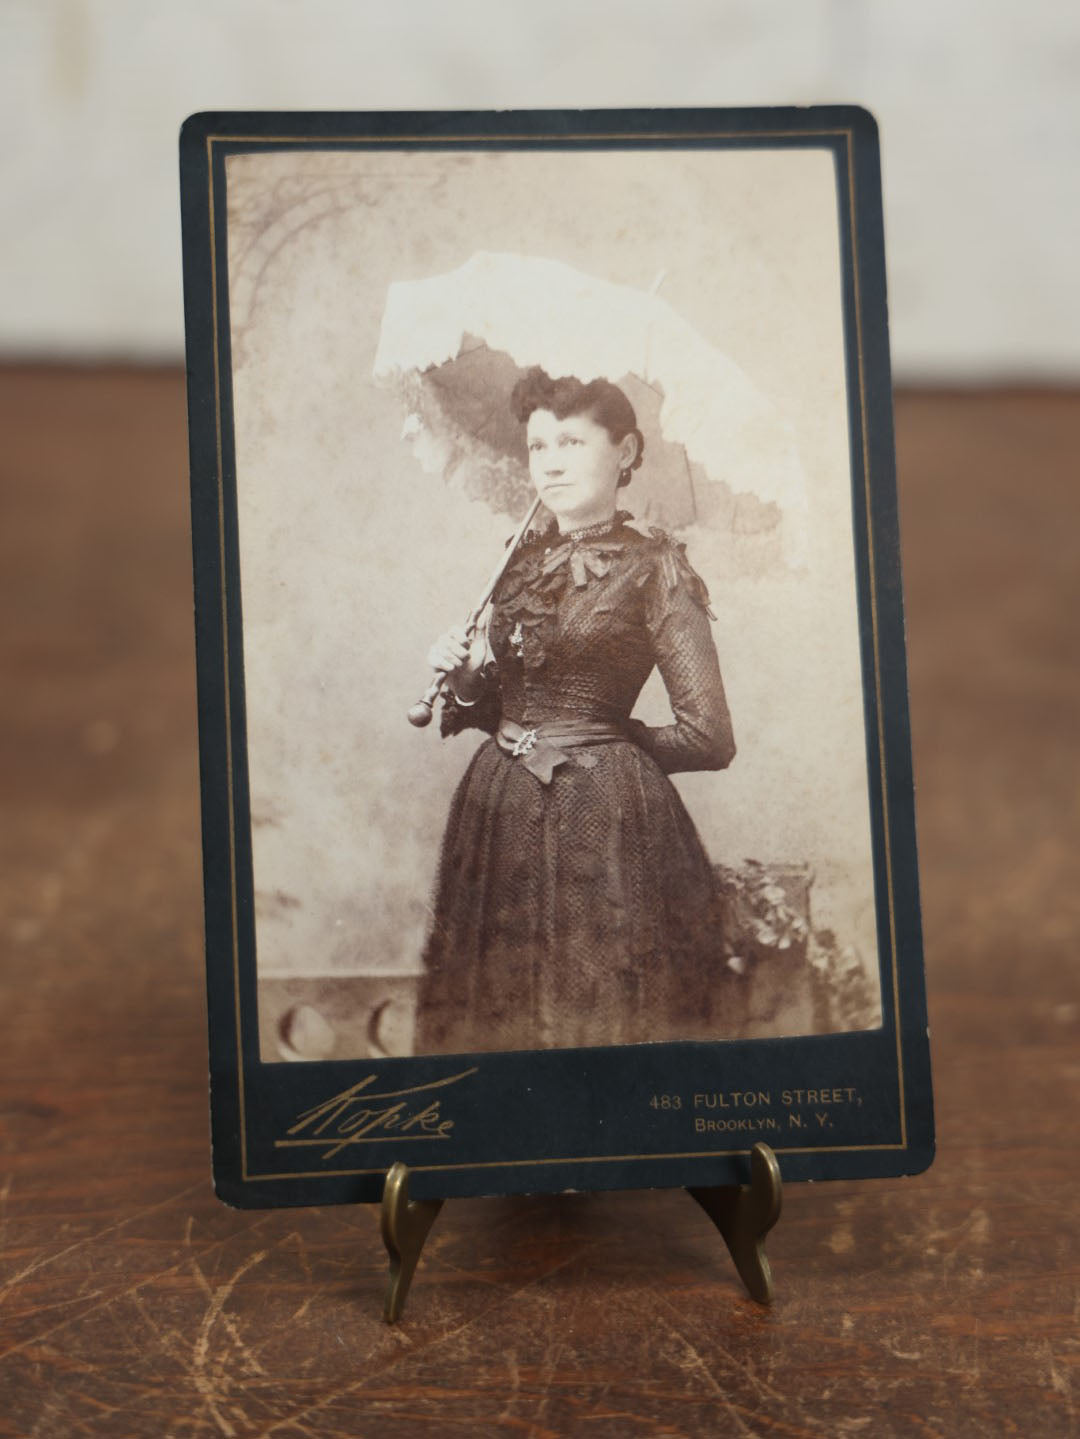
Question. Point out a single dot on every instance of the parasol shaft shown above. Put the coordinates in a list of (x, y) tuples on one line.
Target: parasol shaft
[(420, 714), (507, 555)]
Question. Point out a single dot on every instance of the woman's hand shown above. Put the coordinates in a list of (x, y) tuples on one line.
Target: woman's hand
[(461, 659)]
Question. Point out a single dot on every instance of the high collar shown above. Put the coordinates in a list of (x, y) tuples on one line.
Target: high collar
[(599, 530)]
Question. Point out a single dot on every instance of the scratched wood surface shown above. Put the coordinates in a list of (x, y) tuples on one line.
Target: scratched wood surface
[(133, 1303)]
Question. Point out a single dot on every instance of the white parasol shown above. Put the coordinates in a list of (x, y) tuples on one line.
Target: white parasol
[(455, 343)]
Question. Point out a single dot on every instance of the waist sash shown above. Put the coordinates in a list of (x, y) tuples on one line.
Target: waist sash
[(545, 746)]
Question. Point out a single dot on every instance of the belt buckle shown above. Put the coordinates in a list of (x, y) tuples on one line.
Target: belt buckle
[(525, 744)]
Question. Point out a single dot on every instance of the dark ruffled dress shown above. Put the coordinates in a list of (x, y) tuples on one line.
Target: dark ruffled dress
[(575, 904)]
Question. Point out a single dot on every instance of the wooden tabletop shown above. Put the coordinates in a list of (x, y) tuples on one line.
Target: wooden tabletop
[(133, 1303)]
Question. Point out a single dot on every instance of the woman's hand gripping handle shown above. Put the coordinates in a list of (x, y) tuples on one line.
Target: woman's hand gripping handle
[(459, 644), (457, 656)]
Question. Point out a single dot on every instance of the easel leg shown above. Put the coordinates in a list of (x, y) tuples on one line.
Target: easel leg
[(744, 1214), (406, 1223)]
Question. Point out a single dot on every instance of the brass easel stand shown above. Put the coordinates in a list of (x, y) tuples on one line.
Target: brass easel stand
[(744, 1214), (406, 1223)]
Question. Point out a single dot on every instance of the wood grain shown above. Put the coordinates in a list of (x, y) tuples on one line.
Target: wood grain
[(132, 1303)]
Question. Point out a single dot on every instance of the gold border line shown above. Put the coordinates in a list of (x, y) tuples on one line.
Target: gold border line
[(877, 655), (332, 1143), (231, 806), (583, 1159), (408, 141)]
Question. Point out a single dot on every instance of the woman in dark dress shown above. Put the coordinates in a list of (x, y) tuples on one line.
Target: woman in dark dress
[(575, 904)]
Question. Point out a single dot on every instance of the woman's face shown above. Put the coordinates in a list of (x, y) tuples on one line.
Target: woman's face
[(575, 466)]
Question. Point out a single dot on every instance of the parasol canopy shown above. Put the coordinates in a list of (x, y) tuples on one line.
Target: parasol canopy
[(455, 344)]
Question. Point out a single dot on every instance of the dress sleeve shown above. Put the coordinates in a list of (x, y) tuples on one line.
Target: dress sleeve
[(677, 617), (484, 713)]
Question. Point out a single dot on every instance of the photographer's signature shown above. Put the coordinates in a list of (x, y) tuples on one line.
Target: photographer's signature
[(362, 1115)]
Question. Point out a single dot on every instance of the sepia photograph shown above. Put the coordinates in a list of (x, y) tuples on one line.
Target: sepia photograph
[(571, 431), (551, 672)]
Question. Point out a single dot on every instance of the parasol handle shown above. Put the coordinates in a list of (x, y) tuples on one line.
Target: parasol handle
[(420, 713)]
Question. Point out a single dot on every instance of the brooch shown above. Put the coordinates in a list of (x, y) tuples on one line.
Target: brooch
[(523, 745)]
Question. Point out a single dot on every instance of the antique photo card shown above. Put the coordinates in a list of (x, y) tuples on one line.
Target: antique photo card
[(557, 797)]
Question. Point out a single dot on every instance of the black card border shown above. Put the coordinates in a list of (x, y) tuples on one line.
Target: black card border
[(253, 1102)]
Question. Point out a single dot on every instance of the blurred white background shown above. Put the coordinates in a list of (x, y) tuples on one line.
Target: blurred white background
[(978, 103)]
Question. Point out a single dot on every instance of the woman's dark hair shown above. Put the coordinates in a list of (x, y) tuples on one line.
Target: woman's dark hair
[(566, 396)]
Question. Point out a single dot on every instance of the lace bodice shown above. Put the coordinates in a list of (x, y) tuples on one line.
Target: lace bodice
[(576, 627)]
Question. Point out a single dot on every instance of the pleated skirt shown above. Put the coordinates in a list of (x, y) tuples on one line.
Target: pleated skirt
[(578, 913)]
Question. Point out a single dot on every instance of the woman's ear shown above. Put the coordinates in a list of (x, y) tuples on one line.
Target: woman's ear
[(628, 450)]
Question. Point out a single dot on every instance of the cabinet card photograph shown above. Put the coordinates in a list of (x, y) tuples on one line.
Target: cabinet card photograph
[(558, 823)]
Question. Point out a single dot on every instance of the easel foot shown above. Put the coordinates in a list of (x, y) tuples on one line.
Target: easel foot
[(406, 1224), (744, 1214)]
